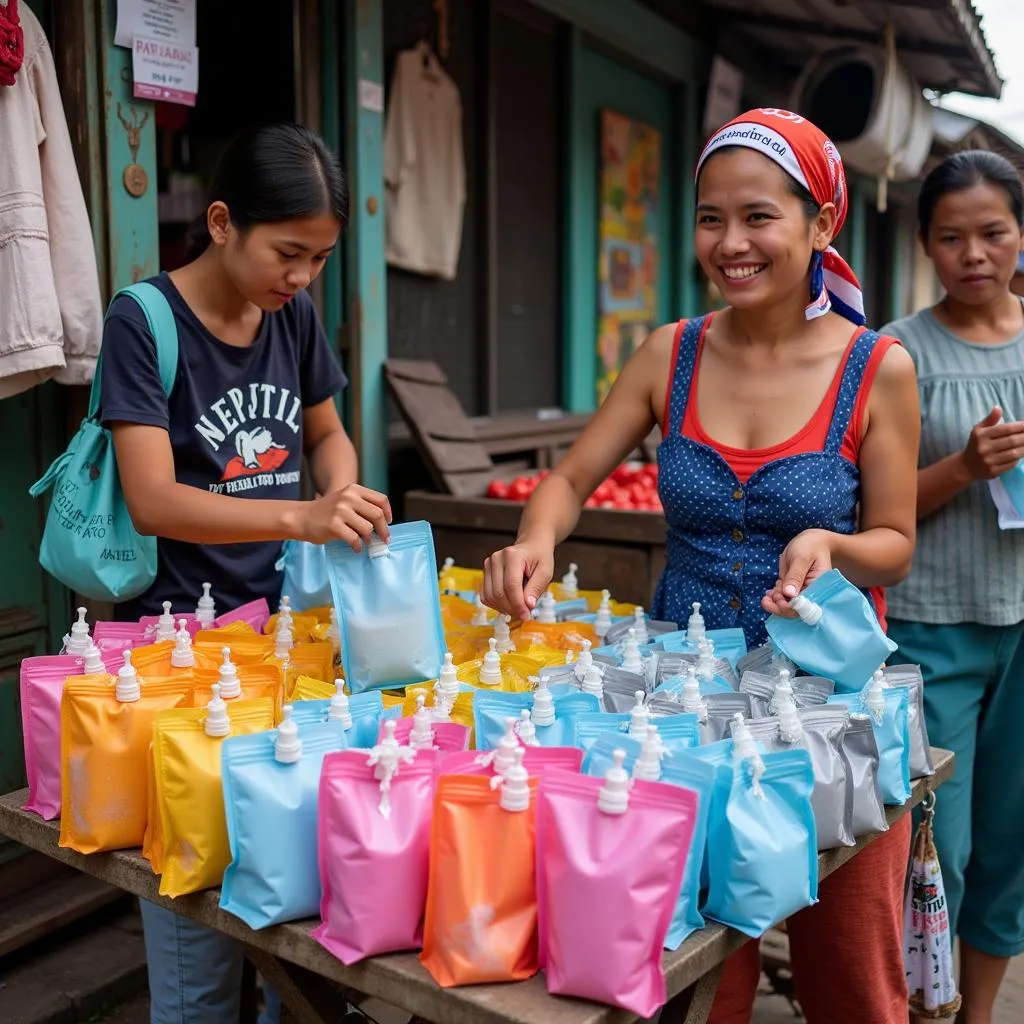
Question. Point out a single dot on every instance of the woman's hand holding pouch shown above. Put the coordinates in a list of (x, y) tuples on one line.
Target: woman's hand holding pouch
[(806, 557)]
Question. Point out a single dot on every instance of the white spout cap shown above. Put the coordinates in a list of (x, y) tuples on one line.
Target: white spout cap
[(77, 641), (693, 702), (603, 618), (502, 634), (525, 729), (546, 608), (182, 656), (449, 563), (695, 627), (206, 610), (217, 722), (287, 745), (127, 689), (504, 752), (441, 711), (227, 676), (515, 790), (593, 682), (783, 691), (449, 678), (421, 736), (640, 624), (376, 548), (744, 749), (543, 712), (873, 696), (791, 729), (570, 583), (639, 717), (613, 797), (631, 661), (93, 660), (165, 625), (648, 765), (480, 616), (706, 658), (284, 640), (490, 670), (809, 612), (569, 656), (338, 710), (284, 609), (584, 661), (334, 631)]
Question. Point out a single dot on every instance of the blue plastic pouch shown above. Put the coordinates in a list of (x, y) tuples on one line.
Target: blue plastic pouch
[(490, 709), (389, 609), (892, 736), (305, 583), (366, 709), (271, 810), (566, 611), (672, 686), (837, 635), (730, 644), (764, 851), (587, 727)]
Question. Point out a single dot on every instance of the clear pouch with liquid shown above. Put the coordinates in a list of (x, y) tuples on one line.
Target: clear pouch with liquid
[(389, 609)]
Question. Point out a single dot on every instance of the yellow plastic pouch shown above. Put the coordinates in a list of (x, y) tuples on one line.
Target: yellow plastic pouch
[(509, 672), (153, 841), (455, 611), (313, 659), (303, 625), (247, 648), (240, 683), (547, 656), (106, 730), (154, 660), (188, 788), (306, 688), (564, 635), (466, 643), (459, 579), (320, 612), (461, 711)]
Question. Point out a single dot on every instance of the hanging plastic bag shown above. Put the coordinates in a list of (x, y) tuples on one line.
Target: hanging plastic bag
[(389, 607), (271, 785), (927, 941), (374, 823), (106, 729), (481, 925), (599, 843), (820, 731), (187, 771), (836, 634), (861, 752), (551, 717), (305, 574), (909, 677), (42, 681), (887, 709), (763, 855)]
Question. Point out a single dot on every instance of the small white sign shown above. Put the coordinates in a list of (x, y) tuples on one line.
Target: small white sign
[(164, 71), (725, 94), (169, 21), (371, 96)]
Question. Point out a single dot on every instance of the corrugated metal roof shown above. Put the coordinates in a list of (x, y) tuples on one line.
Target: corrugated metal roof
[(940, 41)]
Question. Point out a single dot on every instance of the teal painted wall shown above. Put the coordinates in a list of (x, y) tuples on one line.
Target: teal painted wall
[(595, 81)]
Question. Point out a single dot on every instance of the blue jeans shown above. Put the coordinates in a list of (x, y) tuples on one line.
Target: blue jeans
[(195, 973)]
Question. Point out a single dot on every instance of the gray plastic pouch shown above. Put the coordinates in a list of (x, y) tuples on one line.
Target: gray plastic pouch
[(559, 674), (759, 687), (662, 704), (605, 659), (824, 730), (723, 667), (909, 676), (861, 752), (808, 691), (765, 659), (620, 690), (655, 627), (721, 707)]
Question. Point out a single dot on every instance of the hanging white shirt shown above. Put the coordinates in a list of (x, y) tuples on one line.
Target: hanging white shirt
[(424, 168)]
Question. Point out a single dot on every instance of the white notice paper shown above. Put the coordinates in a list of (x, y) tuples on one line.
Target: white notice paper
[(166, 72), (169, 21)]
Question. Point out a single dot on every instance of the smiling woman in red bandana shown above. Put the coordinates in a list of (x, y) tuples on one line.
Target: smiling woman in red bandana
[(790, 436)]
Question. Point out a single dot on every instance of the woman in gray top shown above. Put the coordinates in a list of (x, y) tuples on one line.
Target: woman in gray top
[(960, 614)]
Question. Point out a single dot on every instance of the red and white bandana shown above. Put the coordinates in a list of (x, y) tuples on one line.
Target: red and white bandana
[(804, 152)]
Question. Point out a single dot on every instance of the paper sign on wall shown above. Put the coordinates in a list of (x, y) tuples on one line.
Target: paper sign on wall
[(163, 71), (168, 21)]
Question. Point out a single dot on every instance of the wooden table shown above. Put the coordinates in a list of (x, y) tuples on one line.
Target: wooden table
[(303, 971)]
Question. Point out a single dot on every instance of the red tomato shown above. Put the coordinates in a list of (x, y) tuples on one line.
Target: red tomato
[(520, 489), (497, 489)]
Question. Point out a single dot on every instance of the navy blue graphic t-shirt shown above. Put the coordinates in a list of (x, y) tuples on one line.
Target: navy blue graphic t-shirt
[(235, 423)]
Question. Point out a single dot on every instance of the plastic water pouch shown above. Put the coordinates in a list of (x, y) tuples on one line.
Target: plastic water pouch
[(836, 635), (389, 606), (271, 788), (305, 574), (610, 863), (550, 716), (374, 823)]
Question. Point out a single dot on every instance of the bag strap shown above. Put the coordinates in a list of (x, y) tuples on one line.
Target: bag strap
[(163, 328)]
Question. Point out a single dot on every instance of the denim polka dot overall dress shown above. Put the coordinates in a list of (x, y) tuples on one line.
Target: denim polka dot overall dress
[(725, 537)]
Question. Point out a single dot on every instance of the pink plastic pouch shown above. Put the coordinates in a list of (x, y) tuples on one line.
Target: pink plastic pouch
[(119, 636), (374, 823), (610, 861), (150, 622), (42, 684), (442, 735), (255, 614)]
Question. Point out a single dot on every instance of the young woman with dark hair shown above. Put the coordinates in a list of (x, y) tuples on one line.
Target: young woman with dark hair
[(789, 439), (960, 614), (213, 470)]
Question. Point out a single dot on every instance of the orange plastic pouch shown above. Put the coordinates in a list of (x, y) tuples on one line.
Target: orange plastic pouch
[(155, 660), (303, 624), (306, 688), (564, 635), (247, 647), (481, 923), (320, 612), (255, 681), (455, 611), (466, 643), (190, 796), (312, 658), (104, 748), (459, 579), (153, 841)]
